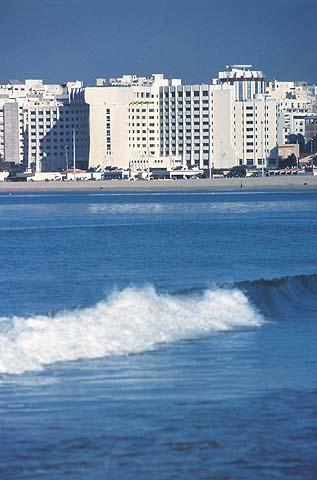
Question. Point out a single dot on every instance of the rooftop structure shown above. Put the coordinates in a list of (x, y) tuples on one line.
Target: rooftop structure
[(135, 81), (239, 72), (247, 82)]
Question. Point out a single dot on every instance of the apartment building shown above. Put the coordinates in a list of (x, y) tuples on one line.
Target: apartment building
[(11, 126), (185, 116), (255, 131), (254, 119), (229, 122), (125, 121), (37, 123), (296, 102)]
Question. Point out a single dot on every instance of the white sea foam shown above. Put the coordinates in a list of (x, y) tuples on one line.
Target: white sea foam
[(130, 321)]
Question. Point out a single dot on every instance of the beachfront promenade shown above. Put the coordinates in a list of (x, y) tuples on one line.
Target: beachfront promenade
[(279, 182)]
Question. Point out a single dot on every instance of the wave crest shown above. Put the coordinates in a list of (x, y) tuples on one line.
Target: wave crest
[(130, 321), (280, 297)]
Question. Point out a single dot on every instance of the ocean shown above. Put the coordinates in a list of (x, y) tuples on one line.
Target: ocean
[(158, 335)]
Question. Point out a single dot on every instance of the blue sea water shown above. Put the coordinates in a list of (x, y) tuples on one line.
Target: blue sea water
[(158, 335)]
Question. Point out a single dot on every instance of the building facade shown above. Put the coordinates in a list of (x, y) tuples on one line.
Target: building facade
[(185, 114), (37, 123), (227, 123), (254, 118), (142, 123), (125, 121), (255, 131), (296, 102)]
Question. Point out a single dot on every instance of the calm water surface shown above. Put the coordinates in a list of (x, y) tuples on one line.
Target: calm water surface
[(162, 336)]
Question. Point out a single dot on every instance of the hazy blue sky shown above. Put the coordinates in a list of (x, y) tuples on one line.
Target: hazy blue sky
[(80, 39)]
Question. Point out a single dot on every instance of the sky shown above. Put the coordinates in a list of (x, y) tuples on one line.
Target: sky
[(61, 40)]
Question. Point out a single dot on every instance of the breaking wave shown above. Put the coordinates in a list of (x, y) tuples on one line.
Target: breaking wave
[(133, 320)]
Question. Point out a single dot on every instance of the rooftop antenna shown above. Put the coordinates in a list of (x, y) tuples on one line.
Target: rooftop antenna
[(74, 154)]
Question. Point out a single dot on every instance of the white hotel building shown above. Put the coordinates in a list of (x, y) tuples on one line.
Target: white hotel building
[(124, 122), (230, 122), (36, 125), (297, 102)]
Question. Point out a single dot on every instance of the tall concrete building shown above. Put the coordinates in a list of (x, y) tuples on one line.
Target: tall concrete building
[(253, 118), (229, 122), (37, 121), (125, 121), (296, 102), (255, 131), (185, 124)]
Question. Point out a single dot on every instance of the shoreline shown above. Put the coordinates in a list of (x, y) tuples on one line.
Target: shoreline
[(266, 183)]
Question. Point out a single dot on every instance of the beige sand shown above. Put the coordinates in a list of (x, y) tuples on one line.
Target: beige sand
[(278, 182)]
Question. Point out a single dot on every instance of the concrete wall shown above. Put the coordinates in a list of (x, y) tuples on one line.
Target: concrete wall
[(108, 103), (223, 148), (11, 132)]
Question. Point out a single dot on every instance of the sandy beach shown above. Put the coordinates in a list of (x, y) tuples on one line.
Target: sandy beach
[(278, 182)]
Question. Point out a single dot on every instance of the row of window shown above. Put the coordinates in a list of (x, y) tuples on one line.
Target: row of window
[(56, 126), (188, 152), (145, 95), (141, 131), (142, 110), (143, 139), (141, 125), (181, 102), (143, 145), (141, 117), (188, 93)]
